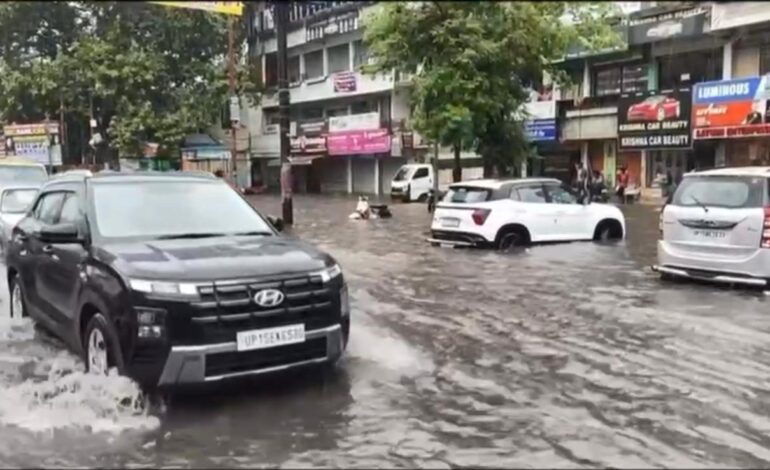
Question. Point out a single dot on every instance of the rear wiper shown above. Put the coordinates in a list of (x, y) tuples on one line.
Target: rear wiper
[(189, 236), (705, 208), (252, 233)]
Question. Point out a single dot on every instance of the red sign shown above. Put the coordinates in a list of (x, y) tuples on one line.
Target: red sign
[(731, 108), (344, 82), (359, 142), (748, 130)]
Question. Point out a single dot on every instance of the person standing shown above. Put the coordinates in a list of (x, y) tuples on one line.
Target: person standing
[(623, 179)]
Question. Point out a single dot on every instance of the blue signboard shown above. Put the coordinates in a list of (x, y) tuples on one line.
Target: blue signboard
[(726, 91), (541, 130)]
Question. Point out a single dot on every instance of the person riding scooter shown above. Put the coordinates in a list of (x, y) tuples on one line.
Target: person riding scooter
[(599, 192)]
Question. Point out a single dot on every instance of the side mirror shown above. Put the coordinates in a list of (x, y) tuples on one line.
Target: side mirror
[(276, 222), (60, 233)]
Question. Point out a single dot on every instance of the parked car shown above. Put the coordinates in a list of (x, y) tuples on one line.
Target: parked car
[(716, 227), (16, 170), (654, 108), (14, 203), (506, 213), (412, 182), (173, 279)]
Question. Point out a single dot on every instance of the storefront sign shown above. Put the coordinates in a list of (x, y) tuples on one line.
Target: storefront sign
[(355, 122), (676, 24), (33, 141), (654, 120), (541, 130), (227, 8), (344, 82), (310, 138), (731, 108), (359, 142), (728, 15)]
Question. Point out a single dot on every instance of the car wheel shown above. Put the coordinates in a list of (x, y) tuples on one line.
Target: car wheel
[(661, 114), (512, 238), (100, 345), (423, 197), (18, 304)]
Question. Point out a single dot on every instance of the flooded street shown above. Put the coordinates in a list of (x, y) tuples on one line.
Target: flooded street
[(571, 355)]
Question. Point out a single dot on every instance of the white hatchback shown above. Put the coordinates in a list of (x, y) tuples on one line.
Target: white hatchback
[(505, 213), (717, 227)]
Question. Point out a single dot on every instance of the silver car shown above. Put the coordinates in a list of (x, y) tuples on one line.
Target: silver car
[(717, 227), (15, 201)]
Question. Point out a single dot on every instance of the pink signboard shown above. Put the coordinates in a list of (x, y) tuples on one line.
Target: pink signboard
[(358, 142)]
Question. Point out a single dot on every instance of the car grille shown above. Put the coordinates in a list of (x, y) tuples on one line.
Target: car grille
[(234, 362), (227, 308)]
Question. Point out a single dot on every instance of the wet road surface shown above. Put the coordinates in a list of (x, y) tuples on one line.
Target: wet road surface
[(566, 356)]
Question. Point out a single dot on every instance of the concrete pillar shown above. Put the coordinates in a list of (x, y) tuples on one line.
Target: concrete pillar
[(350, 174), (727, 61), (720, 157), (377, 176), (263, 59), (351, 54), (524, 169), (586, 80), (643, 176), (326, 61), (302, 65)]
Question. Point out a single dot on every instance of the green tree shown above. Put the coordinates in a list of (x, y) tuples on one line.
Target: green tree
[(472, 63), (147, 73)]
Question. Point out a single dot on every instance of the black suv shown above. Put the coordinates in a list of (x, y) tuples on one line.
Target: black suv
[(173, 279)]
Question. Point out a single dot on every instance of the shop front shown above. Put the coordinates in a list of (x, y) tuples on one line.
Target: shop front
[(654, 130), (735, 115), (307, 149), (541, 131), (363, 146), (38, 142), (588, 137)]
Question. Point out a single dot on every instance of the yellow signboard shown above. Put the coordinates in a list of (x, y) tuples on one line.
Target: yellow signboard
[(228, 8)]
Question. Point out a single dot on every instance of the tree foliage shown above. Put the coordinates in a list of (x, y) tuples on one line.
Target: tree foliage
[(473, 62), (148, 73)]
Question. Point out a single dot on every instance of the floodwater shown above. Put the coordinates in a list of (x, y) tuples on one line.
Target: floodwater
[(570, 355)]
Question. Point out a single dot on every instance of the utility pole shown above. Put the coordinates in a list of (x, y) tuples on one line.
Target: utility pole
[(232, 99), (281, 16)]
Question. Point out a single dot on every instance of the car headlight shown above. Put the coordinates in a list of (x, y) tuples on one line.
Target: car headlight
[(163, 287), (329, 273)]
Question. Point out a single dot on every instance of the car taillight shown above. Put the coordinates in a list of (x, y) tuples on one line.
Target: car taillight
[(765, 241), (480, 216)]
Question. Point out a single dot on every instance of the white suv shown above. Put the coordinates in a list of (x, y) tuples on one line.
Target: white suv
[(505, 213), (717, 227)]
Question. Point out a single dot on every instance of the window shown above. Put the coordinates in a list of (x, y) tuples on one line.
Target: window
[(561, 195), (361, 54), (271, 69), (692, 67), (720, 191), (420, 173), (333, 112), (532, 194), (48, 207), (314, 64), (184, 208), (316, 112), (339, 58), (764, 59), (608, 82), (70, 210), (293, 69), (17, 201), (635, 78), (362, 107), (465, 194)]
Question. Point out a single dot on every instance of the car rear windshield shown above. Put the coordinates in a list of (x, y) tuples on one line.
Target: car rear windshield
[(23, 174), (464, 194), (167, 209), (732, 192)]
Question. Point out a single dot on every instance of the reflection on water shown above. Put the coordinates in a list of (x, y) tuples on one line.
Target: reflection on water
[(558, 356)]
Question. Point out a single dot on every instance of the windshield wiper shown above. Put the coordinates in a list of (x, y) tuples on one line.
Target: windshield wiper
[(189, 236), (705, 208)]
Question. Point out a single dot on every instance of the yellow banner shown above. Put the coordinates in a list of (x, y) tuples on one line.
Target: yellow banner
[(228, 8)]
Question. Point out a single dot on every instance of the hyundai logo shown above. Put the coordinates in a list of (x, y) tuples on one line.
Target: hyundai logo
[(269, 298)]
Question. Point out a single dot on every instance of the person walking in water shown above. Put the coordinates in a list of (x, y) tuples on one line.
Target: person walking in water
[(623, 178)]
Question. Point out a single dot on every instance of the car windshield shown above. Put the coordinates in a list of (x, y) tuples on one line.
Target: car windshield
[(402, 174), (464, 194), (720, 191), (17, 201), (22, 174), (170, 209)]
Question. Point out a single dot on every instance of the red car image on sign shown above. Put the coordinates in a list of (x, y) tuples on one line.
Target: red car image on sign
[(654, 108)]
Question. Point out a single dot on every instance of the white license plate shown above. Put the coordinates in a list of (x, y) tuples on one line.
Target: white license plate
[(710, 233), (449, 222), (270, 337)]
